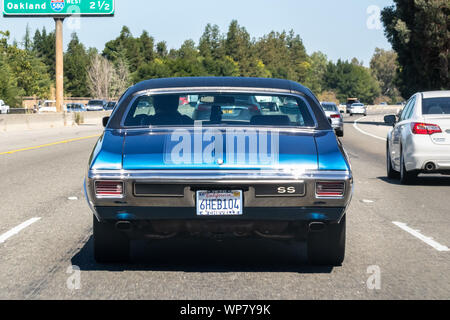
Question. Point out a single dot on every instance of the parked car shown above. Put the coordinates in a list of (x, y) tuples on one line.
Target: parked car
[(47, 106), (75, 107), (357, 108), (3, 107), (157, 173), (419, 141), (334, 115), (96, 105), (110, 105)]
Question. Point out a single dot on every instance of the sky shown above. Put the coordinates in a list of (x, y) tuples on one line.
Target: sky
[(342, 29)]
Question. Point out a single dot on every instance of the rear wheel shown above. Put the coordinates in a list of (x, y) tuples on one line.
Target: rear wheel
[(406, 177), (391, 173), (110, 245), (327, 247)]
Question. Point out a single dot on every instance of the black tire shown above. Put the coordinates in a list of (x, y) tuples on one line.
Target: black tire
[(391, 173), (110, 245), (327, 247), (406, 177)]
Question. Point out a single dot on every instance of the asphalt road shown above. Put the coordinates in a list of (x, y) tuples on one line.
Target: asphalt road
[(46, 183)]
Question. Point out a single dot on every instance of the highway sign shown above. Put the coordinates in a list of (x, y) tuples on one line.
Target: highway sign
[(52, 8)]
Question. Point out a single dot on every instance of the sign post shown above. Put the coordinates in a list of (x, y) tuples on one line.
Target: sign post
[(58, 9)]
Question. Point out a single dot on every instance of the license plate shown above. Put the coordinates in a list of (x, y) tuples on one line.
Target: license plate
[(219, 203), (230, 111)]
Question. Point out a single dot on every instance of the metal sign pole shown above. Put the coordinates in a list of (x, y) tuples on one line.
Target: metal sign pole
[(59, 65)]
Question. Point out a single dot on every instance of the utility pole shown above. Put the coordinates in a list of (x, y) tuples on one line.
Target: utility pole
[(59, 64)]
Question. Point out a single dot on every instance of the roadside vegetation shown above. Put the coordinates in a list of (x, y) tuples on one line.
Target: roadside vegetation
[(27, 68)]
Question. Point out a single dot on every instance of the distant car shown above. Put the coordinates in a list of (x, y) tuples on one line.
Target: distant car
[(420, 140), (334, 114), (383, 104), (96, 105), (239, 107), (110, 105), (351, 101), (47, 106), (3, 107), (159, 172), (75, 107), (357, 108)]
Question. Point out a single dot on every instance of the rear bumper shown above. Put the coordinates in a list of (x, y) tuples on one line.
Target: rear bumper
[(321, 214), (422, 151)]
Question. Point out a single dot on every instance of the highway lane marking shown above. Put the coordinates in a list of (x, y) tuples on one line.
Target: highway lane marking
[(355, 125), (50, 144), (17, 229), (417, 234)]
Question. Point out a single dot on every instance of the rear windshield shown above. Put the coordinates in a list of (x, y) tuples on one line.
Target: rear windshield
[(329, 107), (219, 109), (436, 106), (96, 103)]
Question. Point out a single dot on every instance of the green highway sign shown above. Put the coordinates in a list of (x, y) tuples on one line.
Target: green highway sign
[(51, 8)]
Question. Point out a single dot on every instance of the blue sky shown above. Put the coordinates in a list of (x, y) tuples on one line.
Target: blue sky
[(338, 28)]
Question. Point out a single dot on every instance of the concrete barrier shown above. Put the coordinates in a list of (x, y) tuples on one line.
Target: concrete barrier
[(21, 122)]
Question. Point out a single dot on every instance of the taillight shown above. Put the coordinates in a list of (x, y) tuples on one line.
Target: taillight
[(253, 107), (108, 188), (335, 116), (425, 128), (330, 189)]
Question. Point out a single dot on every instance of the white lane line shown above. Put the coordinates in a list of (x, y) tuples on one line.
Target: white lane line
[(355, 125), (417, 234), (17, 229)]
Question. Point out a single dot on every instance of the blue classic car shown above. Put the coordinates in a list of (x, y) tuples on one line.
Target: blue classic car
[(221, 166)]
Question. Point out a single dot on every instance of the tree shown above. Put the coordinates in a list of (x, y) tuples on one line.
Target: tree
[(348, 79), (9, 91), (384, 68), (44, 49), (315, 77), (419, 32), (100, 77), (76, 62)]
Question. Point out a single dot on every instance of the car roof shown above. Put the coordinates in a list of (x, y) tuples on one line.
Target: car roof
[(233, 82), (436, 94)]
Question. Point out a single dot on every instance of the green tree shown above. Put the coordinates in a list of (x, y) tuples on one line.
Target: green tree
[(348, 79), (419, 31), (76, 63), (44, 49), (384, 68), (315, 77)]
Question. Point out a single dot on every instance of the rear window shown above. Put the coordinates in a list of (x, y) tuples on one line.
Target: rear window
[(219, 109), (436, 106), (329, 107), (96, 103)]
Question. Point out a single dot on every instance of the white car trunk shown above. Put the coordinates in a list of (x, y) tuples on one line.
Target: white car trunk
[(443, 121)]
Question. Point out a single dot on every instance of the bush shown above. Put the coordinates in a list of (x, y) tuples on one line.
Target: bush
[(78, 118)]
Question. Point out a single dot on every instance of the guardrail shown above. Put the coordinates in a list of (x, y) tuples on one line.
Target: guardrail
[(20, 122)]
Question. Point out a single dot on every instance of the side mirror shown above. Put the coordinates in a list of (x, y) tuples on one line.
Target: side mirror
[(390, 119), (330, 121), (105, 121)]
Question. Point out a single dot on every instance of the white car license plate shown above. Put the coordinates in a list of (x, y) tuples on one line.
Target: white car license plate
[(219, 203)]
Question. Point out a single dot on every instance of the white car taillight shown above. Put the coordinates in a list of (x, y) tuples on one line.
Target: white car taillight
[(109, 188), (425, 128), (330, 189)]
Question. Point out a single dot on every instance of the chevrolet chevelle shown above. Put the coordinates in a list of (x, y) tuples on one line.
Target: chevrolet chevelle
[(219, 157)]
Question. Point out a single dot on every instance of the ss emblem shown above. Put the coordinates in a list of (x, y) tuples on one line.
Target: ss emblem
[(284, 190)]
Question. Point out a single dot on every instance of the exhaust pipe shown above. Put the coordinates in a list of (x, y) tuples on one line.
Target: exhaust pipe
[(316, 226), (124, 226), (430, 166)]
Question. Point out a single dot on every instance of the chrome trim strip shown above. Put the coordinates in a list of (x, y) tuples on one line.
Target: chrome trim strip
[(217, 176)]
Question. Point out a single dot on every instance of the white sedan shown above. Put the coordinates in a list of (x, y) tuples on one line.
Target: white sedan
[(358, 108), (420, 140)]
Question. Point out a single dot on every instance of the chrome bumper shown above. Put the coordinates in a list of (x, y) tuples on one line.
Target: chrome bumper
[(192, 180)]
